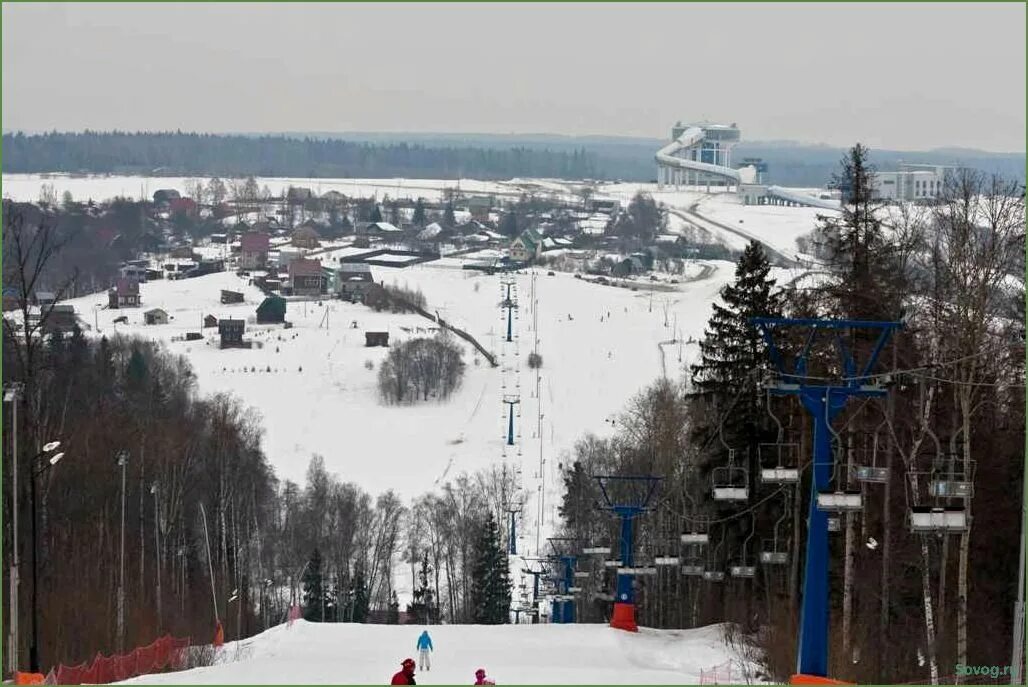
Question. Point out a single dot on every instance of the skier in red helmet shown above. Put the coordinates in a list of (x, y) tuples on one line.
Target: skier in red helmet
[(406, 674)]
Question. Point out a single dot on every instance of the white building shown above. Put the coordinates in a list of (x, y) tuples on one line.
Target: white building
[(912, 182)]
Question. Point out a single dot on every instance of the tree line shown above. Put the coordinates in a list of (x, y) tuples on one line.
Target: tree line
[(186, 154), (901, 601)]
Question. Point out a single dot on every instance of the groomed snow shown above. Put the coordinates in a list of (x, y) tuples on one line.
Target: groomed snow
[(312, 653)]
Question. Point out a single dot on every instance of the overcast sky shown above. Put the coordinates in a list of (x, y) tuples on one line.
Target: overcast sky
[(897, 76)]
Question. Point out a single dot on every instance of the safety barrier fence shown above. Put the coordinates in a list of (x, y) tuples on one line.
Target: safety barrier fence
[(167, 652)]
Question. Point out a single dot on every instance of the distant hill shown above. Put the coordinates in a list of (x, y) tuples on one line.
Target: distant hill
[(432, 155)]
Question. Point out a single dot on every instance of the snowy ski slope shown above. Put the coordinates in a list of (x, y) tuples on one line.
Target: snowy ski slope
[(312, 653)]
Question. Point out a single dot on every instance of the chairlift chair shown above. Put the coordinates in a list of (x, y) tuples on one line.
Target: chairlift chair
[(714, 575), (873, 473), (582, 574), (692, 570), (612, 563), (953, 481), (665, 560), (834, 524), (730, 483), (944, 520), (774, 551), (840, 501), (696, 538), (743, 570), (778, 464), (596, 551)]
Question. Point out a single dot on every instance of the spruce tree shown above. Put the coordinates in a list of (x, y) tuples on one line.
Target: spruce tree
[(865, 283), (313, 591), (449, 219), (490, 578), (376, 214), (509, 224), (419, 213), (732, 351)]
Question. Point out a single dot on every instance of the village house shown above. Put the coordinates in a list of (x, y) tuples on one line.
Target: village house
[(305, 236), (479, 207), (306, 277), (253, 250), (164, 196), (124, 294), (231, 332), (526, 247), (272, 310), (384, 229), (155, 316), (182, 206), (352, 281), (61, 318), (228, 297), (210, 321)]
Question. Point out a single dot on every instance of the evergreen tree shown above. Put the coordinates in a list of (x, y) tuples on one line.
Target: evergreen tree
[(490, 578), (866, 283), (509, 224), (376, 214), (576, 508), (419, 213), (732, 351), (393, 614), (313, 591), (448, 218), (422, 606), (360, 598), (394, 213)]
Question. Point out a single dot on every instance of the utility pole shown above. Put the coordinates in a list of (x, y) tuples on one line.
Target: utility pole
[(13, 395), (157, 550), (1017, 656), (123, 457)]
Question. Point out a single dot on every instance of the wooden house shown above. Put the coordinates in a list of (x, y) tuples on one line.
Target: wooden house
[(231, 332), (272, 310), (228, 297), (155, 316), (124, 294)]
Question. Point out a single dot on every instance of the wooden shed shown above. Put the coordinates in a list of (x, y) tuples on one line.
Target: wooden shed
[(376, 338)]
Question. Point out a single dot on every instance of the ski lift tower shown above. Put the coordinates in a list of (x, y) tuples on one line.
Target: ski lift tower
[(633, 499), (564, 576), (824, 400), (510, 302)]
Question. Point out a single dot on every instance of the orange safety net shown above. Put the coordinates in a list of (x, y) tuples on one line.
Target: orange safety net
[(166, 652), (28, 678)]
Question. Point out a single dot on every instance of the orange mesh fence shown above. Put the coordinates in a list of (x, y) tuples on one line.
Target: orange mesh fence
[(166, 652)]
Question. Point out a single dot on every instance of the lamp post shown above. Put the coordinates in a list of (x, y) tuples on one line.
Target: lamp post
[(122, 459), (12, 394), (157, 549), (37, 471)]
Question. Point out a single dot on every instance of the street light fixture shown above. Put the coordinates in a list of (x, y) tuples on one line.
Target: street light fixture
[(37, 470)]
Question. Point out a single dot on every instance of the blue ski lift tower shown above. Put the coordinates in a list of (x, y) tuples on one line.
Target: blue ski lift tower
[(824, 400)]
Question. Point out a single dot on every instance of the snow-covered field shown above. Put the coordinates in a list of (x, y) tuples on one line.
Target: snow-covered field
[(311, 653), (776, 225), (315, 384)]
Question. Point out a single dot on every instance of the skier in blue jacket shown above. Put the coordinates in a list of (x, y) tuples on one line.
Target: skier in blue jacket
[(424, 649)]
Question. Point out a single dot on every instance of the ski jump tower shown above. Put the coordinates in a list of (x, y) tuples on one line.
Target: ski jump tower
[(699, 155)]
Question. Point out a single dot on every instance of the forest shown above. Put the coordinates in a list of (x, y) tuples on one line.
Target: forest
[(187, 154)]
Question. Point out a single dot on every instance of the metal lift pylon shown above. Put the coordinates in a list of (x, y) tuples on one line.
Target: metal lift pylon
[(824, 401)]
